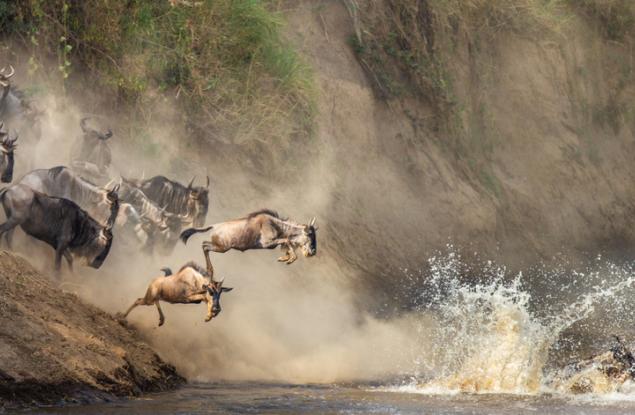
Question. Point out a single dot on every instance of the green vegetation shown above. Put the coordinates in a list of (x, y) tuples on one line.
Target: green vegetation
[(223, 61)]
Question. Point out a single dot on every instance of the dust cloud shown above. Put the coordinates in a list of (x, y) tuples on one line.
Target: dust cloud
[(296, 323)]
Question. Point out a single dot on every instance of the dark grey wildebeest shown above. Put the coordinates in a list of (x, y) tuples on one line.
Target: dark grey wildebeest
[(7, 150), (93, 156), (16, 110), (263, 229), (190, 202), (60, 223), (191, 285), (163, 227), (63, 182)]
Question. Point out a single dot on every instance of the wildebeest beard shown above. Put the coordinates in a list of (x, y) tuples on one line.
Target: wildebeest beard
[(7, 166)]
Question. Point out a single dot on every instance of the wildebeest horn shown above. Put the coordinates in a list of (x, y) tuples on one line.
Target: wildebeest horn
[(109, 183), (115, 189), (4, 78), (9, 75), (312, 221), (189, 186)]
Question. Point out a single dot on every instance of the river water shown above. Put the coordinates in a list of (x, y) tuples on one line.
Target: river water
[(489, 344), (246, 398)]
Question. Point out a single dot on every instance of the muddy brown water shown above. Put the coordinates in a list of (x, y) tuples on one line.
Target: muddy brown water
[(251, 398)]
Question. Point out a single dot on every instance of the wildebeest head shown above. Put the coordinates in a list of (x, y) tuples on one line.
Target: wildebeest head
[(88, 131), (198, 202), (215, 289), (307, 239), (4, 76), (7, 147), (101, 244)]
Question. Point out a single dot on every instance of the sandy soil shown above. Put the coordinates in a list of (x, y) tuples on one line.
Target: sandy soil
[(55, 348)]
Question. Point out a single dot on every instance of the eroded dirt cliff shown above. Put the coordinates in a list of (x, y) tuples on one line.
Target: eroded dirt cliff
[(55, 348)]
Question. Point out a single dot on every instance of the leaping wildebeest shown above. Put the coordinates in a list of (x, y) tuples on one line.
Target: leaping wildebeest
[(189, 202), (191, 285), (7, 149), (60, 223), (263, 229)]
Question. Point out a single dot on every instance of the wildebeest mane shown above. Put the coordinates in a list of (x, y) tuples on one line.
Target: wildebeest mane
[(196, 267), (266, 212), (56, 171)]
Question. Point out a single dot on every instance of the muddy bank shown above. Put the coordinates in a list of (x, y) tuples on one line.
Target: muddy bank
[(55, 348)]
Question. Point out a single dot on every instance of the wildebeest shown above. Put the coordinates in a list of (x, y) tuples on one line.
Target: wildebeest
[(60, 223), (190, 202), (62, 182), (191, 285), (263, 229), (163, 227), (94, 155), (7, 149), (15, 110)]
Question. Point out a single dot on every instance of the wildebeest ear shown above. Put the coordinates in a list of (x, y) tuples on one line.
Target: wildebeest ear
[(207, 185), (226, 289)]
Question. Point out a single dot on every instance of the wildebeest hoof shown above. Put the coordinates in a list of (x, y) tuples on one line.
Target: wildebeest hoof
[(208, 319), (283, 259), (161, 322)]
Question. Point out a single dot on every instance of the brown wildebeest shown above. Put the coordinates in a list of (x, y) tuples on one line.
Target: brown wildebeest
[(263, 229), (191, 285)]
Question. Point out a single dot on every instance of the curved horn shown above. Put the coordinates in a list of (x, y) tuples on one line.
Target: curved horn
[(312, 221), (109, 183), (189, 186), (219, 282), (7, 76)]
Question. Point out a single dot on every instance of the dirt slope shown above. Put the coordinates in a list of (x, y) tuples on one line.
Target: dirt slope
[(540, 161), (56, 348)]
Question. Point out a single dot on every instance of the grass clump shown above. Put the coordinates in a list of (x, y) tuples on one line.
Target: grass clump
[(224, 62)]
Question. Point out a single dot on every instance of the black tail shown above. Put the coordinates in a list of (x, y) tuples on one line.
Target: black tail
[(185, 235), (167, 271)]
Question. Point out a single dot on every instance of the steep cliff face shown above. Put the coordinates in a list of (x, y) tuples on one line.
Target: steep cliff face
[(515, 142)]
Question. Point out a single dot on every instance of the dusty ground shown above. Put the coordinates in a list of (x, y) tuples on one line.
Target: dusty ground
[(55, 348)]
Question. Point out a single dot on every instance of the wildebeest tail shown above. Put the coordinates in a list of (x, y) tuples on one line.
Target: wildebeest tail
[(185, 235), (167, 271)]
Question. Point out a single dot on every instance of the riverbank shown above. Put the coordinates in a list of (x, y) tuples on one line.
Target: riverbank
[(57, 349)]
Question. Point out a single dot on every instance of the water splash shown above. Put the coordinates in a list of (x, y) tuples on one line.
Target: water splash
[(496, 335)]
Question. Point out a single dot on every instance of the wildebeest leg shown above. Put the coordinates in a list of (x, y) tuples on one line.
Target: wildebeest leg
[(7, 228), (161, 316), (69, 259), (140, 301), (292, 256), (58, 260), (8, 238), (206, 251), (287, 255)]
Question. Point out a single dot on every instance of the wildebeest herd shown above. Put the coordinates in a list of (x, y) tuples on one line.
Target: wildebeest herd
[(80, 210)]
